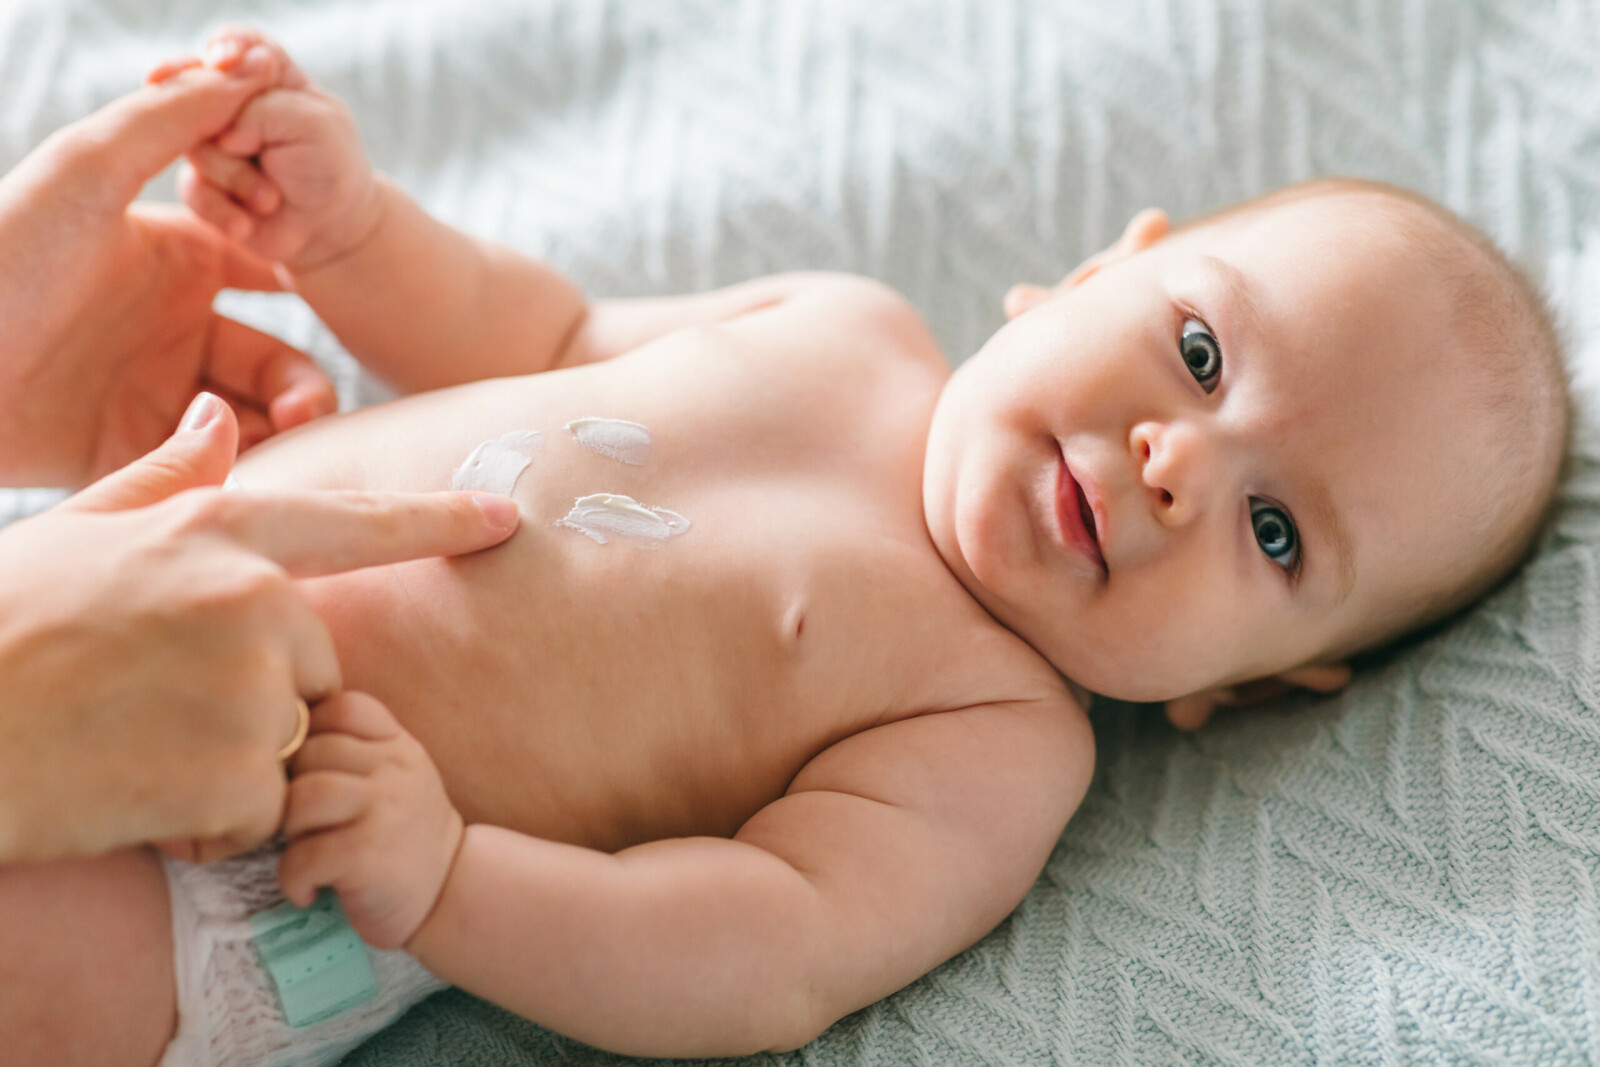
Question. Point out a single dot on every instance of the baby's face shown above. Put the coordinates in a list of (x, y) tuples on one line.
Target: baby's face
[(1218, 458)]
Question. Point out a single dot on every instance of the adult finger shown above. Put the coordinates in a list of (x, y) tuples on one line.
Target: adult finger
[(251, 810), (129, 141), (241, 268), (166, 69), (312, 533), (314, 661), (261, 369), (246, 839), (254, 426), (178, 848), (200, 453)]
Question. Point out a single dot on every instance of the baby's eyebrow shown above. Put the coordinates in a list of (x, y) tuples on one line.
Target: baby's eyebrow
[(1238, 289), (1325, 523)]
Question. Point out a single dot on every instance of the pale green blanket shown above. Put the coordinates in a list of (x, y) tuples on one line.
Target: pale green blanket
[(1403, 874)]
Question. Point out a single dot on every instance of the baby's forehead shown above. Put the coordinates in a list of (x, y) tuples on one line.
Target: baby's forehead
[(1385, 232), (1342, 278), (1397, 352)]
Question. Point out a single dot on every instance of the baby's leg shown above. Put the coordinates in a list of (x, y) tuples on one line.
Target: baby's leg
[(86, 967)]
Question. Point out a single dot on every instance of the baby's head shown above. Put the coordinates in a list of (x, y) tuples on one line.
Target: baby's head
[(1252, 447)]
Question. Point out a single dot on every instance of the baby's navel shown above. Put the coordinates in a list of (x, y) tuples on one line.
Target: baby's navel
[(794, 622)]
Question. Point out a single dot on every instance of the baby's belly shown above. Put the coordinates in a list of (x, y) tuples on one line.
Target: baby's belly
[(597, 694), (597, 711)]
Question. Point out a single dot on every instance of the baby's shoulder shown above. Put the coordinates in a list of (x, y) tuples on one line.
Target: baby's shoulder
[(855, 318)]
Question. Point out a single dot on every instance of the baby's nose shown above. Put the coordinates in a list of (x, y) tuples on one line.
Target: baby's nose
[(1175, 463)]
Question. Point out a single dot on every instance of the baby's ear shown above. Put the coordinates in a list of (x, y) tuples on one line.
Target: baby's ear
[(1193, 711), (1144, 230), (1319, 678)]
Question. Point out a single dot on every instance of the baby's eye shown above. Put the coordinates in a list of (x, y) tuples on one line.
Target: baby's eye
[(1201, 353), (1275, 533)]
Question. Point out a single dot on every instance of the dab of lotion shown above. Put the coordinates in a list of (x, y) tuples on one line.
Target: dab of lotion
[(626, 441), (495, 466), (599, 514)]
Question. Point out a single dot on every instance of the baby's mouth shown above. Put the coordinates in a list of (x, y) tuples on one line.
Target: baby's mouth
[(1076, 517), (1086, 513)]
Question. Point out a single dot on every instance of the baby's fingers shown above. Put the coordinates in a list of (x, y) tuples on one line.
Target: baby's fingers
[(312, 862), (327, 750), (325, 800), (240, 178), (355, 714), (213, 205), (227, 46)]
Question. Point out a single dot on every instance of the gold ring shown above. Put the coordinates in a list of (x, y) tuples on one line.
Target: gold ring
[(302, 727)]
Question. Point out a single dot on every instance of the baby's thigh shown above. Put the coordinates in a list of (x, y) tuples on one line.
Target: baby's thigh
[(86, 972)]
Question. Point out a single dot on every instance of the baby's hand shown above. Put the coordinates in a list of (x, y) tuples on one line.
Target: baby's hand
[(289, 179), (367, 814)]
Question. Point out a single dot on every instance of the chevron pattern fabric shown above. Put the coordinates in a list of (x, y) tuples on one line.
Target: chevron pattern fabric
[(1406, 873)]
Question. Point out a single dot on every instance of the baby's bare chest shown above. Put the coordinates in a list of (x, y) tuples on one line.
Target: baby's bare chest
[(591, 682)]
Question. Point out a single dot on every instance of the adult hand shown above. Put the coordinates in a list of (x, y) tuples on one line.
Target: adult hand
[(109, 331), (152, 644)]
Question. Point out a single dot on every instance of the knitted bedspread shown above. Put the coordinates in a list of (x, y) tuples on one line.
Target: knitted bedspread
[(1404, 873)]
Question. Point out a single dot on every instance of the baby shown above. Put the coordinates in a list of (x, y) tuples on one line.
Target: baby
[(776, 699)]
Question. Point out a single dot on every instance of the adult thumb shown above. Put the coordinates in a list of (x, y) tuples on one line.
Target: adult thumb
[(200, 453), (116, 150)]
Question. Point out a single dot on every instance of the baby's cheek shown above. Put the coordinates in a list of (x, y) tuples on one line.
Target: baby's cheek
[(1166, 640)]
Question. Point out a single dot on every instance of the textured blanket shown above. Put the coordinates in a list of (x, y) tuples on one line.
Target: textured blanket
[(1403, 873)]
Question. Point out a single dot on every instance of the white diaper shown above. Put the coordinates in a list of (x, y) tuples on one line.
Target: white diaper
[(228, 1011)]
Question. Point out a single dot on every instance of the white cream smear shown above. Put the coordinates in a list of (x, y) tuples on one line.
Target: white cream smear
[(495, 466), (599, 514), (619, 439)]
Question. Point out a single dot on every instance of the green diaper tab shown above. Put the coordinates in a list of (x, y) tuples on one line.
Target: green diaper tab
[(317, 962)]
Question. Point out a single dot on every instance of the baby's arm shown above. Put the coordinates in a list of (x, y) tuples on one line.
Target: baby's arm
[(892, 850), (419, 303)]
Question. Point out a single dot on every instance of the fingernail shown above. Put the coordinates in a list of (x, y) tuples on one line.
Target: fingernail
[(221, 52), (499, 510), (203, 411), (255, 62)]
